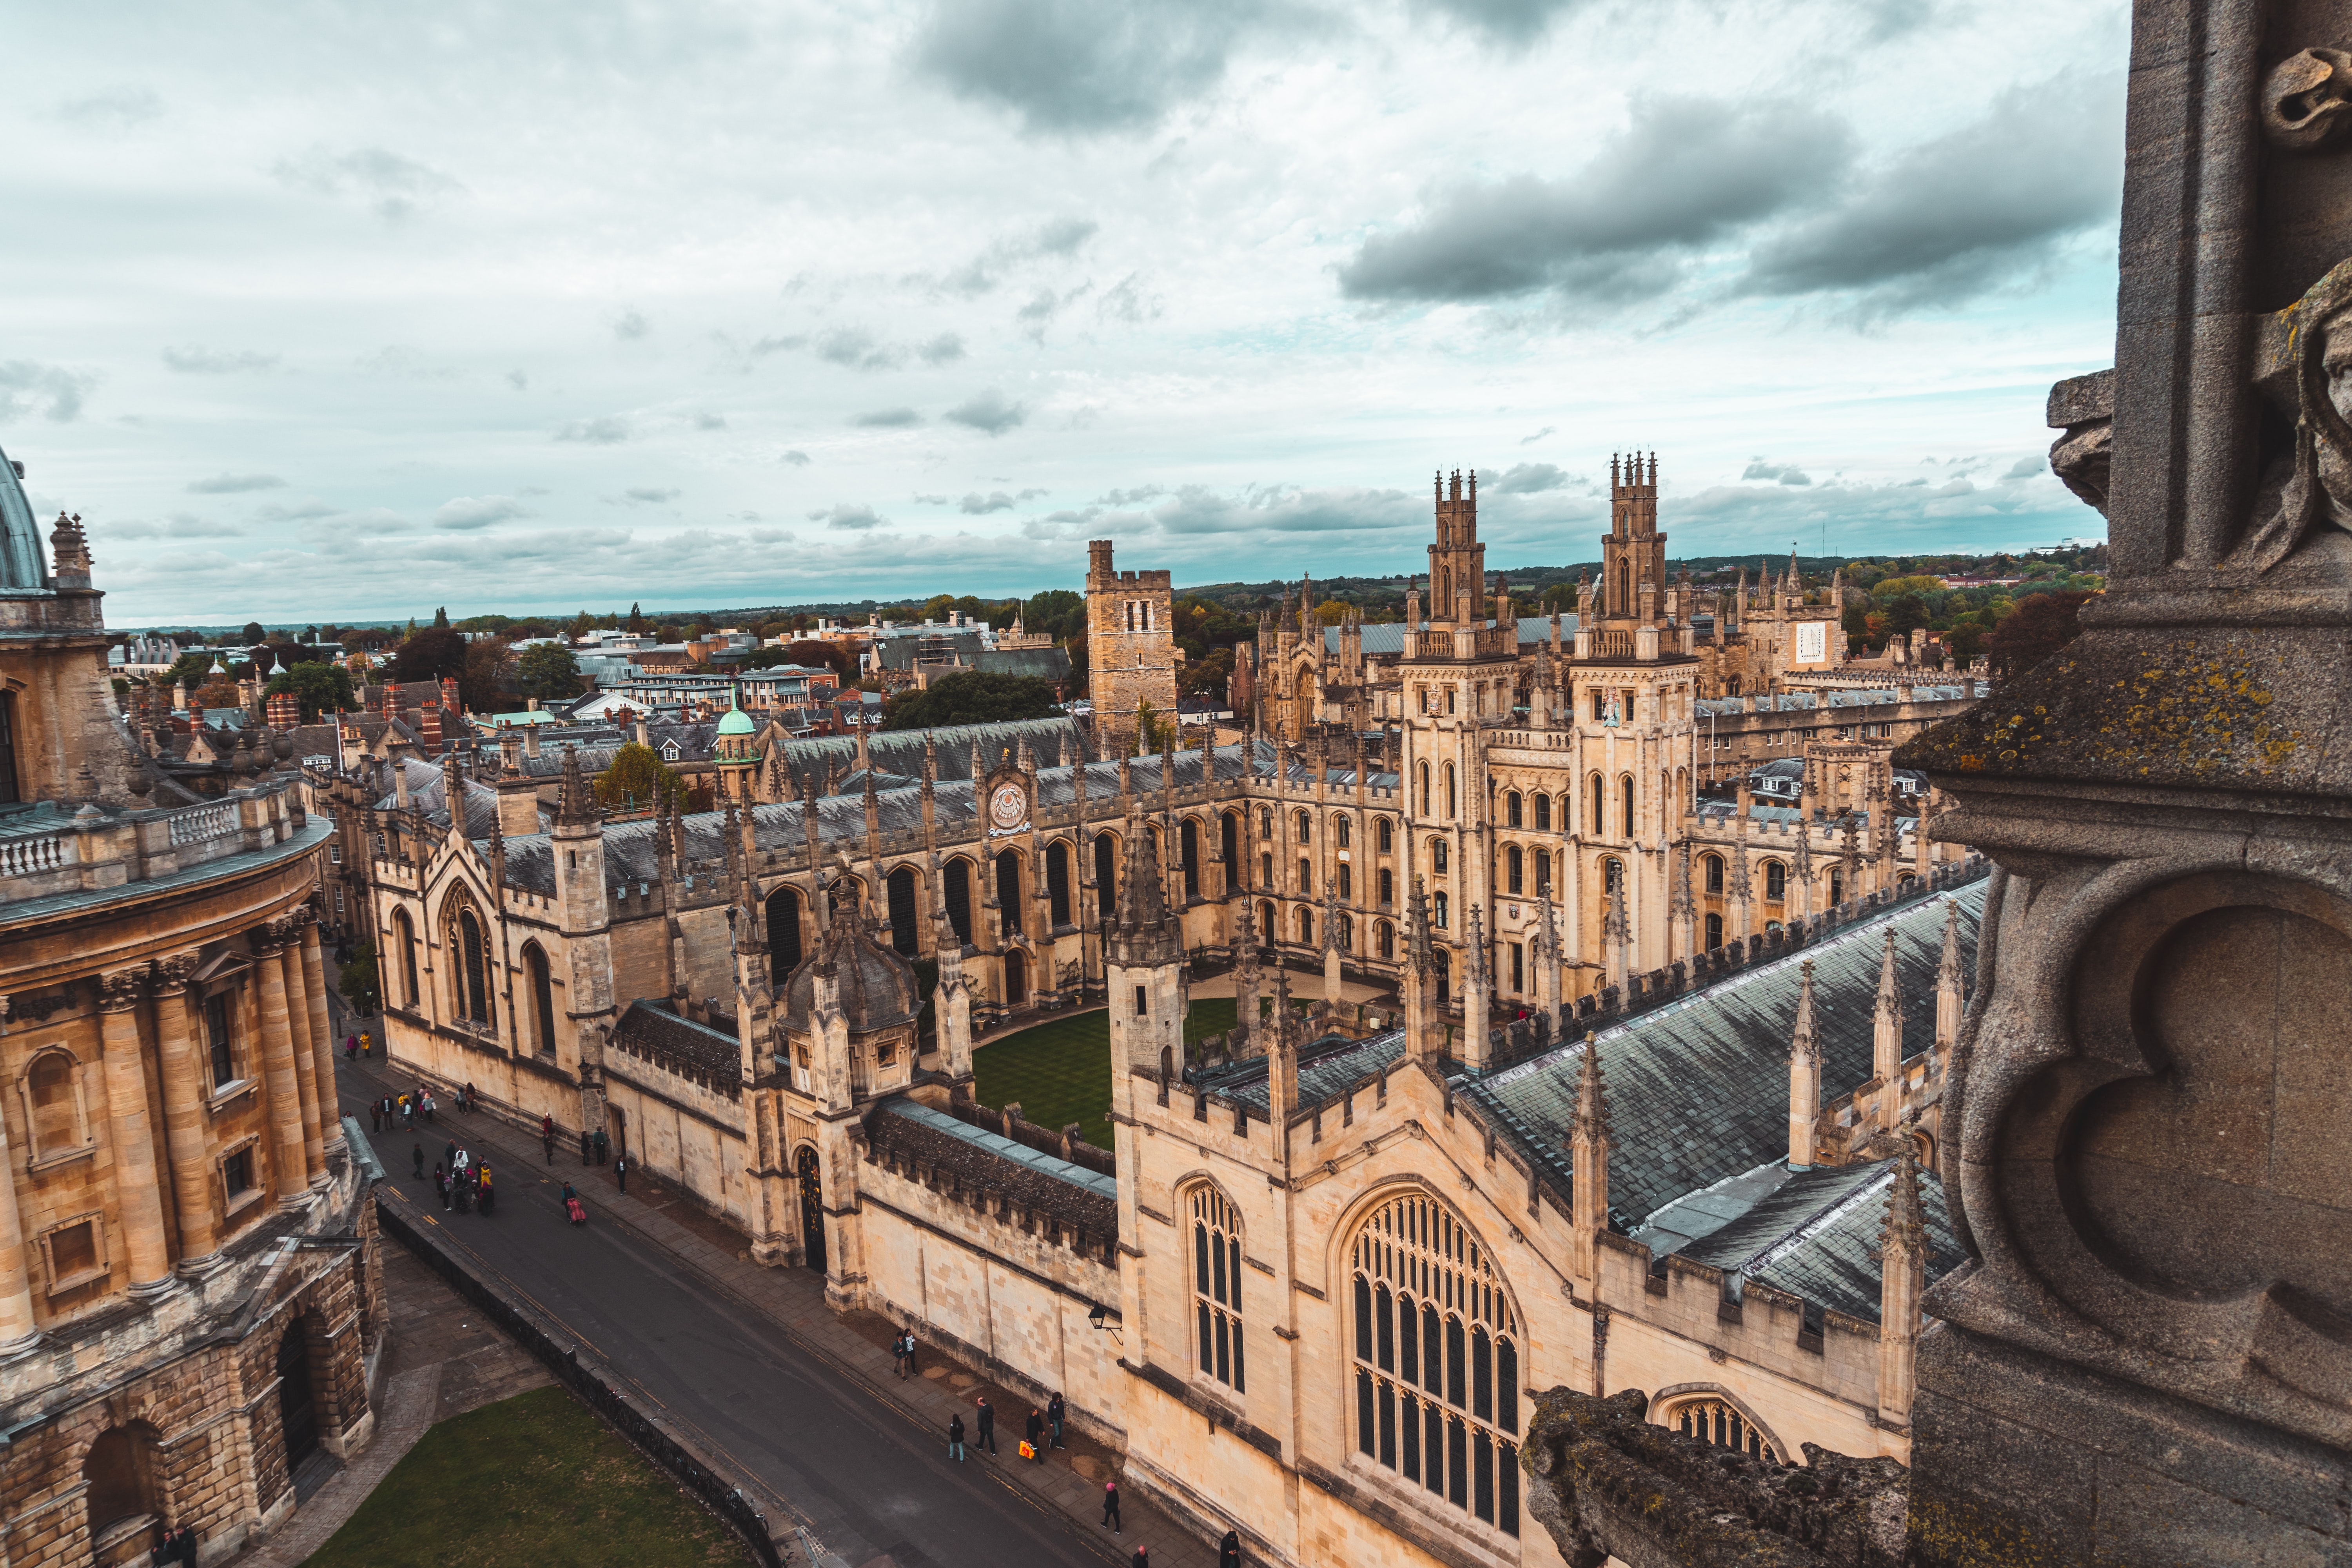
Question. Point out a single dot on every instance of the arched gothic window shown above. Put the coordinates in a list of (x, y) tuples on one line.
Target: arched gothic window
[(1424, 789), (1543, 813), (1381, 840), (1721, 1423), (1384, 936), (543, 998), (1341, 826), (1449, 791), (469, 969), (1217, 1286), (405, 933), (1512, 803), (1597, 826), (1626, 785), (1776, 882), (1437, 852), (1437, 1359), (1714, 873), (1514, 867), (1613, 874)]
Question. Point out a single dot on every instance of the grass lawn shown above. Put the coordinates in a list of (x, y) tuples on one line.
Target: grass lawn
[(1060, 1071), (535, 1479)]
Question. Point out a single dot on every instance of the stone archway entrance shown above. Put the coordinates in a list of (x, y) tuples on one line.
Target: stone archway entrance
[(812, 1175), (1016, 977), (298, 1413)]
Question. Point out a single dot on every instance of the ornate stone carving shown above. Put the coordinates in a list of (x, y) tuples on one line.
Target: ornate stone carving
[(174, 971), (2084, 406), (2307, 99), (1607, 1483), (2304, 367), (119, 990)]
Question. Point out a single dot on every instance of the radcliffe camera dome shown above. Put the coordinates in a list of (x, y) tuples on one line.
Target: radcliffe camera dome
[(20, 540)]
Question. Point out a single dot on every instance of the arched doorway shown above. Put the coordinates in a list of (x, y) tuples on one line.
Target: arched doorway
[(812, 1207), (298, 1414), (1016, 977)]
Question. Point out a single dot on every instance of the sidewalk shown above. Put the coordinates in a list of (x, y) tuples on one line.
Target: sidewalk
[(1070, 1481)]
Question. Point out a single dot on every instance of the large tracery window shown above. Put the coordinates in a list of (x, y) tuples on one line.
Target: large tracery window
[(1217, 1286), (1437, 1360)]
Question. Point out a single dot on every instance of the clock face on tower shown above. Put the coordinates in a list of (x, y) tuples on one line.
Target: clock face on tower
[(1008, 808)]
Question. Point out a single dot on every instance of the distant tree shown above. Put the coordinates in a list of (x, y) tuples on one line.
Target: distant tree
[(430, 655), (637, 621), (810, 653), (217, 693), (191, 671), (265, 659), (488, 675), (1154, 730), (1330, 613), (441, 617), (253, 632), (638, 778), (969, 697), (358, 981), (321, 688), (548, 671), (1907, 613), (1056, 612), (2041, 626), (1207, 677), (581, 625)]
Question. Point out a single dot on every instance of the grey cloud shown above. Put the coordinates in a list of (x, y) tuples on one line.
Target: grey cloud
[(859, 349), (299, 511), (234, 484), (179, 525), (989, 411), (1199, 510), (2027, 467), (849, 517), (979, 505), (766, 346), (945, 349), (1683, 173), (1783, 473), (648, 495), (606, 430), (1531, 440), (468, 513), (518, 381), (1135, 497), (392, 184), (932, 500), (797, 458), (29, 387), (1966, 213), (630, 325), (887, 419), (706, 420), (114, 106), (197, 360), (1513, 22), (1526, 478), (1127, 301), (1078, 66), (1061, 236)]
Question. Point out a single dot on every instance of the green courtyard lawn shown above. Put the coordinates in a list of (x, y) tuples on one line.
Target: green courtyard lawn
[(1059, 1072), (535, 1479)]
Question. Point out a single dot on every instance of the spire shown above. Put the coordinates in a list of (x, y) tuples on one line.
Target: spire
[(1614, 936), (1588, 1145), (1145, 934), (1804, 1075), (1886, 1035), (573, 806), (1951, 985), (1902, 1271)]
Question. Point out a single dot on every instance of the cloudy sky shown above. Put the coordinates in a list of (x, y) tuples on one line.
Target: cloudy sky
[(339, 312)]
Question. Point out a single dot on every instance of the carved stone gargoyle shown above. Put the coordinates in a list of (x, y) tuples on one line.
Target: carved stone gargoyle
[(1607, 1483)]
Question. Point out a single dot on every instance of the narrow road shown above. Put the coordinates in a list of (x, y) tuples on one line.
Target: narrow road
[(836, 1452)]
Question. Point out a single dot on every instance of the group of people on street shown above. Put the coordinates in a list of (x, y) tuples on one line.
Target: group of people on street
[(402, 1110), (463, 1181), (358, 1045)]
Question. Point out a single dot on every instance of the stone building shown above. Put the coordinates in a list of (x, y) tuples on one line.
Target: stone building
[(1131, 652), (189, 1303)]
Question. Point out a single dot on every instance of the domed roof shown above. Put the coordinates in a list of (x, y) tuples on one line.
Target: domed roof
[(737, 723), (876, 985)]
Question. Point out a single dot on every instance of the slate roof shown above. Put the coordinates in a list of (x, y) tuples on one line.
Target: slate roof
[(902, 750), (426, 790), (1816, 1237), (1698, 1090), (1325, 1068), (1046, 663), (980, 1160), (654, 1028)]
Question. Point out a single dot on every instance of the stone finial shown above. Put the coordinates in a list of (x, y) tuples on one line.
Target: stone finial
[(1145, 934), (1803, 1041), (572, 804), (1591, 1096)]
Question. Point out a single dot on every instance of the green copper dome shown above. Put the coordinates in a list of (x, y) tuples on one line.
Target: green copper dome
[(737, 723)]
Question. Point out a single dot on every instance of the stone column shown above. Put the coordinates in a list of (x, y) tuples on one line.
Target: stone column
[(138, 1193), (184, 1113), (322, 1039), (306, 1062), (17, 1331), (284, 1089)]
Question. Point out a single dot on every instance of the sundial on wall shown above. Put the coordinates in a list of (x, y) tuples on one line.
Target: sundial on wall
[(1008, 808)]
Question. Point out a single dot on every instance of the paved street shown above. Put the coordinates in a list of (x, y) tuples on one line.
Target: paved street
[(752, 1365)]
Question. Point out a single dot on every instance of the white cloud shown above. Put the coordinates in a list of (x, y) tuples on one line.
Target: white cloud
[(470, 512), (197, 360)]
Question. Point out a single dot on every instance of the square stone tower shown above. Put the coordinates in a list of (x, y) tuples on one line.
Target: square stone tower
[(1131, 653)]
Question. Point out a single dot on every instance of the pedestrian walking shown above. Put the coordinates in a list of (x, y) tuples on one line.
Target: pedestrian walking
[(449, 1154), (367, 1045), (621, 1173), (987, 1438), (1111, 1509), (587, 1147), (1229, 1550), (603, 1145), (547, 1136), (416, 1159), (461, 1193), (911, 1370), (1034, 1447), (441, 1186), (408, 1112), (898, 1355), (488, 1192), (955, 1438), (1142, 1558), (350, 1047), (1055, 1413), (431, 1105), (375, 1117)]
